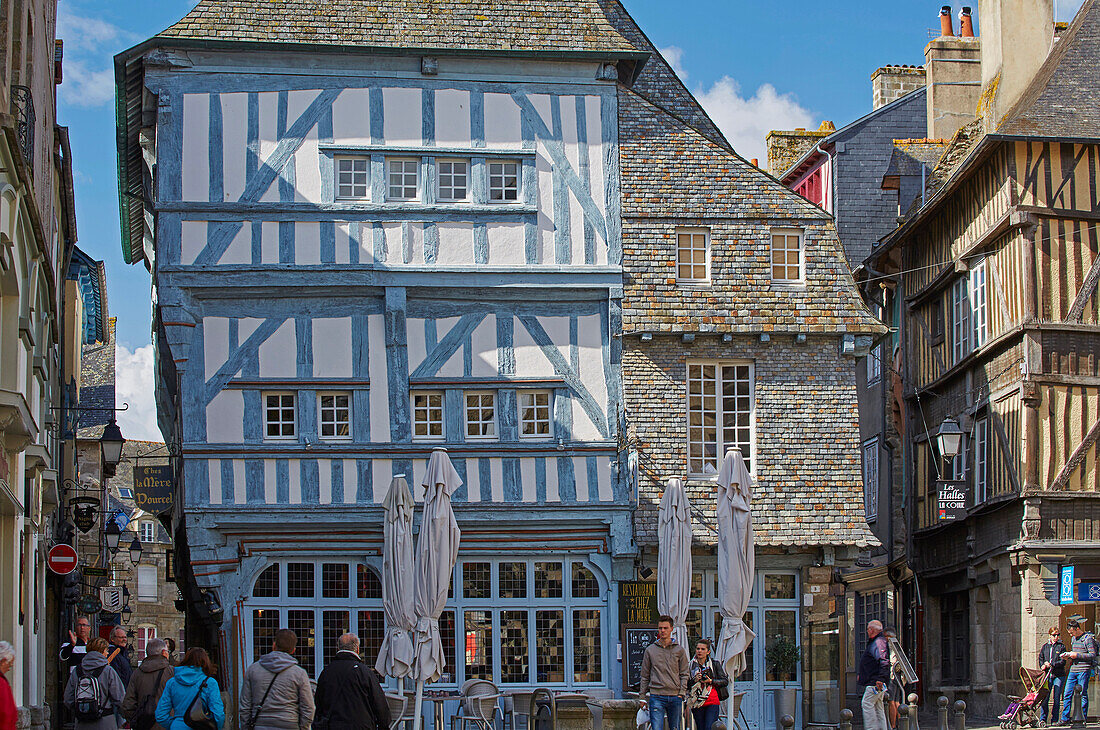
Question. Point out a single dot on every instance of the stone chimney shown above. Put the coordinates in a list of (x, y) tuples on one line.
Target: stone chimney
[(890, 83), (953, 72), (785, 147), (1017, 35)]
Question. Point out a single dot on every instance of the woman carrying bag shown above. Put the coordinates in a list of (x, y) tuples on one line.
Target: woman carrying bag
[(708, 686), (192, 699)]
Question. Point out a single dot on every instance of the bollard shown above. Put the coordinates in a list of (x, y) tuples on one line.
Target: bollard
[(718, 726), (845, 719), (960, 715), (913, 723), (1077, 718), (941, 723), (787, 722), (903, 717)]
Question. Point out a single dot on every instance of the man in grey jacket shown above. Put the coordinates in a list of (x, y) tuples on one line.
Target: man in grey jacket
[(276, 694), (665, 677)]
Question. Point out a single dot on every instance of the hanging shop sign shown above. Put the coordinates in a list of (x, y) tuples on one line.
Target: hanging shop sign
[(89, 603), (95, 572), (638, 602), (112, 598), (1065, 585), (85, 512), (1088, 592), (951, 504), (153, 488)]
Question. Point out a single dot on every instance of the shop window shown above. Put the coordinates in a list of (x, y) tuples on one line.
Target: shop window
[(265, 622), (476, 580), (550, 646), (479, 644), (696, 585), (694, 625), (871, 606), (587, 665), (368, 584), (780, 623), (267, 585), (448, 629), (299, 580), (513, 580), (548, 580), (585, 584), (302, 623), (372, 630), (334, 624), (780, 586), (334, 580), (513, 647)]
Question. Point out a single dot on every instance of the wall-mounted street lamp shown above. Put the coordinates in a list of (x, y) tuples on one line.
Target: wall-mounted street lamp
[(126, 612), (110, 444), (949, 438), (113, 533), (135, 551)]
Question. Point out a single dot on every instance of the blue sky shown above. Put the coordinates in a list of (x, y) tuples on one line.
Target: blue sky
[(754, 66)]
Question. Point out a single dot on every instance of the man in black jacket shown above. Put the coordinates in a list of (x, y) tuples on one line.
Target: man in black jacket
[(1050, 657), (874, 673), (349, 696)]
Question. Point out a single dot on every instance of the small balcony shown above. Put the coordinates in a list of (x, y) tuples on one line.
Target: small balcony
[(22, 108)]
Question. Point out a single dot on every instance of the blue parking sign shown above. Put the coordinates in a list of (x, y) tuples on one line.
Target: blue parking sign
[(1065, 585)]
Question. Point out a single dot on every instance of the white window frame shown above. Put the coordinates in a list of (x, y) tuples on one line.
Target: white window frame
[(267, 411), (428, 408), (337, 173), (979, 303), (872, 478), (451, 198), (981, 459), (481, 422), (502, 200), (787, 233), (126, 493), (549, 407), (874, 365), (143, 634), (335, 412), (720, 443), (693, 234), (147, 531), (148, 570), (390, 163), (960, 319)]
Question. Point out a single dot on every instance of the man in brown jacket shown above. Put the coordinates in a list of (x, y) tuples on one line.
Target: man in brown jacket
[(146, 684), (665, 677)]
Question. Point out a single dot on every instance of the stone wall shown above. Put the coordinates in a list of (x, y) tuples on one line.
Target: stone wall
[(786, 146), (890, 83)]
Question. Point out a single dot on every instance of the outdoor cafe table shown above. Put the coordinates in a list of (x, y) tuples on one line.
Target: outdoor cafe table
[(438, 698)]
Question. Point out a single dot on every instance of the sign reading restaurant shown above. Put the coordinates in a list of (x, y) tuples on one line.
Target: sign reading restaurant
[(952, 501), (153, 488), (638, 602)]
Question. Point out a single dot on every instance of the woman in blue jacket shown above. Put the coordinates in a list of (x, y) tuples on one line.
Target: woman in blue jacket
[(193, 676)]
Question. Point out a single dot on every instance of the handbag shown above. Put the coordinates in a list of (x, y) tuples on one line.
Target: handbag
[(198, 717)]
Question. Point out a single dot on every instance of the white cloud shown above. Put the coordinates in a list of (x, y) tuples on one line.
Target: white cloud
[(84, 33), (675, 57), (745, 120), (90, 43), (134, 386), (87, 88)]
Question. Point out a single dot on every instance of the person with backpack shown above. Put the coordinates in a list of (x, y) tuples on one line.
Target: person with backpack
[(276, 694), (191, 698), (94, 690), (349, 695), (139, 706)]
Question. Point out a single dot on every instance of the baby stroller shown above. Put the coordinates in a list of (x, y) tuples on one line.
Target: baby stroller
[(1024, 711)]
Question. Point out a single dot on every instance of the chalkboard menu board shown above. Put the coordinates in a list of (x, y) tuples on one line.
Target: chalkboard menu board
[(635, 641)]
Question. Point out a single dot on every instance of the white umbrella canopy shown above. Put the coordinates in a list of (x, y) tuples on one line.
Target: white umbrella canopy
[(674, 558), (736, 560), (436, 553), (395, 657)]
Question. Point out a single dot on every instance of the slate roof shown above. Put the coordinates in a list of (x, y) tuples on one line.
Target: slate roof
[(554, 26), (1061, 101), (91, 278), (97, 385), (910, 155)]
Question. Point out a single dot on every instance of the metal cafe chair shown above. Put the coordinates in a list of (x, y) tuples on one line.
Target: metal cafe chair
[(479, 705)]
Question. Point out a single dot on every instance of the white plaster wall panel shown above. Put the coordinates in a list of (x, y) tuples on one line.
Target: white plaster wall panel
[(239, 250), (214, 480), (294, 478), (395, 252), (416, 479), (544, 176), (307, 243), (343, 241), (502, 125), (225, 418), (376, 372), (552, 493), (366, 243), (598, 152), (416, 342), (351, 480), (456, 244), (506, 244), (351, 117), (483, 343), (381, 476), (530, 360), (452, 118), (453, 367), (416, 242), (576, 230), (307, 170), (268, 136), (270, 485), (496, 475), (590, 356), (529, 490), (580, 478), (541, 104), (401, 110), (569, 137), (603, 479), (196, 147), (240, 492), (332, 347), (269, 242), (215, 337), (557, 329), (324, 481), (473, 480), (246, 326), (192, 240), (278, 357), (234, 143)]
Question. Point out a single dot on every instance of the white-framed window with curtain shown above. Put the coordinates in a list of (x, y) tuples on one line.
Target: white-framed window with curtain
[(870, 478), (960, 320), (720, 413), (981, 459), (143, 634), (147, 583), (148, 531), (979, 296)]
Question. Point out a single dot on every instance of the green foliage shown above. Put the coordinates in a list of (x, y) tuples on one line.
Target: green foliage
[(783, 656)]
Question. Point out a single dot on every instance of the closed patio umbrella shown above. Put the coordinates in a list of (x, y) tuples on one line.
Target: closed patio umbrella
[(436, 553), (395, 657), (674, 558), (736, 560)]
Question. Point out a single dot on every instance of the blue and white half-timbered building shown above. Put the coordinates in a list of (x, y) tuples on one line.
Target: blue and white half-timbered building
[(374, 231)]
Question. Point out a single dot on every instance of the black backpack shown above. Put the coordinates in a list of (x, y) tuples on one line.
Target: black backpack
[(146, 715)]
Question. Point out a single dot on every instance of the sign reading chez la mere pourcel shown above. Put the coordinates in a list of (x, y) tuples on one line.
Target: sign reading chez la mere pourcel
[(153, 488)]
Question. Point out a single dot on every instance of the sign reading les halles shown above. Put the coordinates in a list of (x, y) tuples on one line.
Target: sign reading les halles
[(153, 488), (952, 501)]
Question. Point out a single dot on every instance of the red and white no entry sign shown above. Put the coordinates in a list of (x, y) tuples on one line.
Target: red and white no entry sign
[(62, 559)]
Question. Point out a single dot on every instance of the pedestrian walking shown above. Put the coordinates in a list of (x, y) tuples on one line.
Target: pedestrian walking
[(874, 673), (94, 692), (139, 706), (73, 650), (119, 655), (665, 677), (191, 691), (8, 712), (349, 695), (1050, 659), (1083, 652), (708, 686), (276, 694)]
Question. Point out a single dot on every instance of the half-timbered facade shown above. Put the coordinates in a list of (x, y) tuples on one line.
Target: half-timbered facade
[(997, 276)]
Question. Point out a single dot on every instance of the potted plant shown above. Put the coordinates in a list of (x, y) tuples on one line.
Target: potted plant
[(783, 656)]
